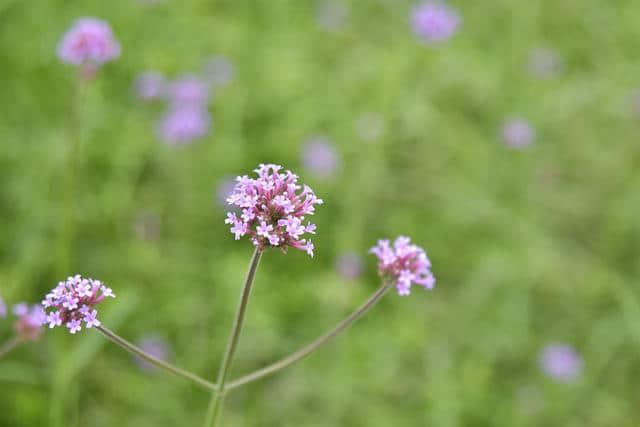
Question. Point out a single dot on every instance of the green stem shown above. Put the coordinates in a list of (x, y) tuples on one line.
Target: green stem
[(305, 351), (217, 399), (154, 360), (9, 345)]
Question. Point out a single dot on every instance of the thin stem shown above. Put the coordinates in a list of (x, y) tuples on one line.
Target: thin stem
[(305, 351), (217, 399), (9, 345), (154, 360)]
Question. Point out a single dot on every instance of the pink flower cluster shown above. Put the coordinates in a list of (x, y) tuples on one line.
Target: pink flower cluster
[(404, 264), (272, 209), (90, 42), (73, 301), (28, 327)]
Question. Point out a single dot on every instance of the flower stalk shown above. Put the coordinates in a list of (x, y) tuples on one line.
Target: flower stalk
[(315, 345), (217, 398), (154, 360)]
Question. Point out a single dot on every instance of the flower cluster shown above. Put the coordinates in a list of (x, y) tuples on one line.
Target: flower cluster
[(404, 264), (518, 133), (434, 22), (73, 301), (88, 42), (561, 362), (272, 209), (28, 327)]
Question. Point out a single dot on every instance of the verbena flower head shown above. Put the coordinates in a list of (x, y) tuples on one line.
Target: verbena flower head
[(72, 302), (89, 41), (183, 125), (272, 209), (403, 264), (561, 362), (149, 85), (320, 157), (518, 133), (28, 326), (434, 21)]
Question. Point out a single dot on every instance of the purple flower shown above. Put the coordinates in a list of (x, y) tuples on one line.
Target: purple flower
[(90, 42), (188, 92), (561, 362), (319, 156), (273, 209), (155, 346), (518, 133), (331, 15), (73, 301), (183, 125), (149, 85), (3, 308), (349, 265), (434, 22), (224, 190), (369, 126), (219, 71), (28, 326), (403, 264), (544, 63)]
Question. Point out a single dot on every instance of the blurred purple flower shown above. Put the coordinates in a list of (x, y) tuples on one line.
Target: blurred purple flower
[(224, 189), (518, 133), (403, 264), (219, 71), (544, 63), (3, 308), (434, 21), (349, 265), (319, 156), (331, 15), (369, 126), (188, 91), (150, 85), (89, 41), (561, 362), (154, 345), (183, 125), (28, 326)]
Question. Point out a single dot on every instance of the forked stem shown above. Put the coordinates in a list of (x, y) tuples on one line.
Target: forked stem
[(305, 351), (217, 399), (154, 360)]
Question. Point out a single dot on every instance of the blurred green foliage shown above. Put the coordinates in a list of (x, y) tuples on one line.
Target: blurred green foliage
[(529, 246)]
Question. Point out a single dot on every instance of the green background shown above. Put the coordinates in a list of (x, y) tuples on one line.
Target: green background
[(529, 246)]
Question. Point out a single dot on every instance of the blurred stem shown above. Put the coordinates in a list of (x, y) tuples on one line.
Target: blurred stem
[(67, 231), (305, 351), (217, 399), (9, 345), (154, 360)]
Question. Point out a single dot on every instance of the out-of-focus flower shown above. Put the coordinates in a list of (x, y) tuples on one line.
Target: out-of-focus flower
[(544, 63), (271, 209), (518, 133), (154, 345), (28, 326), (320, 157), (224, 189), (403, 264), (561, 362), (369, 126), (218, 71), (349, 265), (73, 302), (150, 85), (434, 22), (331, 15), (183, 125), (89, 41), (3, 308), (188, 91)]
